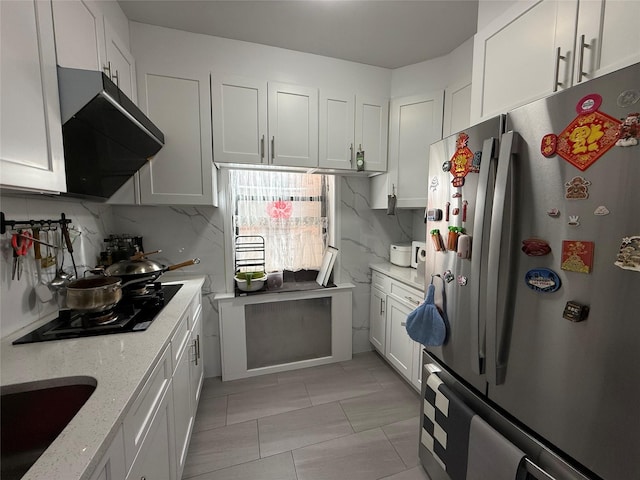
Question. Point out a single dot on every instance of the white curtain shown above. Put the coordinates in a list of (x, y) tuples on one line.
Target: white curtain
[(288, 210)]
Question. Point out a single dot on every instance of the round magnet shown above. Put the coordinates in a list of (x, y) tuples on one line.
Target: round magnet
[(542, 280), (589, 103), (601, 211), (446, 166), (628, 98), (462, 280), (548, 145)]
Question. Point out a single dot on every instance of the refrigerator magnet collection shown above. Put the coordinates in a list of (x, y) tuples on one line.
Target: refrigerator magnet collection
[(535, 214)]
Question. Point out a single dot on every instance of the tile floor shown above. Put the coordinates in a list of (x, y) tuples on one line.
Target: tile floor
[(355, 420)]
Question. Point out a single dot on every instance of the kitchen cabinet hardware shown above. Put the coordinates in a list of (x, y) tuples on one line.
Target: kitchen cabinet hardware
[(415, 302), (273, 149), (583, 45), (116, 79), (262, 149), (107, 69), (556, 73)]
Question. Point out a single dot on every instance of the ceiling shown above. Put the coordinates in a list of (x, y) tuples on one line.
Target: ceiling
[(384, 33)]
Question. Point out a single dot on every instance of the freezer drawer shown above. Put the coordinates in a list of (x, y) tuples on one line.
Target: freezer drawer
[(541, 462)]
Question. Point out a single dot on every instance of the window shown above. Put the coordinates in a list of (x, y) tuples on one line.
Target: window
[(289, 210)]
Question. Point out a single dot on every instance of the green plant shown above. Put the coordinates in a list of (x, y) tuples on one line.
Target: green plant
[(248, 276)]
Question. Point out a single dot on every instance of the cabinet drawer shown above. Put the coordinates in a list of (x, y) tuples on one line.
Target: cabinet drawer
[(406, 294), (179, 340), (380, 281), (139, 417), (196, 305)]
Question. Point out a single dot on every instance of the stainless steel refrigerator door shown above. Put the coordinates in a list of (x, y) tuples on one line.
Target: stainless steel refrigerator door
[(576, 384), (464, 330)]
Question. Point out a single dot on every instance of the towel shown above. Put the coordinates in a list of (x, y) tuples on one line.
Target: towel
[(425, 324), (490, 454), (445, 428)]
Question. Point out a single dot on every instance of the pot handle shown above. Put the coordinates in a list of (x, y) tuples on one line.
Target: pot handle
[(139, 280), (184, 264)]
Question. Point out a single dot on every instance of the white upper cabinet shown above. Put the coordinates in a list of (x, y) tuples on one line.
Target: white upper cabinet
[(524, 55), (79, 30), (31, 153), (293, 125), (608, 37), (541, 46), (239, 120), (182, 172), (415, 123), (372, 127), (457, 108), (337, 130), (121, 66), (255, 122)]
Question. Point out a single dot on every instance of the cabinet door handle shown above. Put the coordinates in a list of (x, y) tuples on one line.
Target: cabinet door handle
[(262, 149), (351, 155), (116, 78), (556, 74), (403, 324), (581, 58), (107, 69), (273, 149), (415, 302), (381, 306), (198, 346)]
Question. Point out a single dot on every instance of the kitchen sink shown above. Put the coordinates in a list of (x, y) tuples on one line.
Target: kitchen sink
[(32, 415)]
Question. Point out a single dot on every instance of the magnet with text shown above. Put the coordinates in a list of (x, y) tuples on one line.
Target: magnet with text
[(464, 246), (589, 136), (575, 311), (629, 131), (475, 163), (548, 145), (535, 247), (601, 211), (462, 160), (542, 280), (628, 256), (434, 214), (577, 188), (577, 256), (553, 212), (448, 276), (574, 221)]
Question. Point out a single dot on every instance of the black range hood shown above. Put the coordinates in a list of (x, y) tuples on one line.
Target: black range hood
[(106, 136)]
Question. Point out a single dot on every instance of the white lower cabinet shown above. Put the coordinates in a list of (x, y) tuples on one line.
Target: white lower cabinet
[(153, 440), (112, 466), (155, 458), (391, 303)]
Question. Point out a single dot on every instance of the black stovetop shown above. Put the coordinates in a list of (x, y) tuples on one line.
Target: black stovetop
[(134, 313)]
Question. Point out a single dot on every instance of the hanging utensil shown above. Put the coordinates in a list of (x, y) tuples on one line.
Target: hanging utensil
[(67, 239), (42, 291), (49, 260)]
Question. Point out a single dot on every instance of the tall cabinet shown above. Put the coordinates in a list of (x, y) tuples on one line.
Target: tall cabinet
[(31, 150)]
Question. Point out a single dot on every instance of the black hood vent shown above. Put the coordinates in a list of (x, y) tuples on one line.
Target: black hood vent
[(106, 136)]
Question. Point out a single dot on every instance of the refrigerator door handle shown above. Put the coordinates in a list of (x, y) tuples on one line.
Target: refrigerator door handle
[(500, 259), (480, 223)]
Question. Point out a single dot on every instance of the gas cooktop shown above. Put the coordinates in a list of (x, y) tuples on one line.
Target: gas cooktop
[(134, 313)]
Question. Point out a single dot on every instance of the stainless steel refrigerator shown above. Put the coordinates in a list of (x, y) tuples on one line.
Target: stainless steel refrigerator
[(543, 314)]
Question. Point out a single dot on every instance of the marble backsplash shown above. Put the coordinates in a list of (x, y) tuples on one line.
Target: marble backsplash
[(91, 222), (184, 232)]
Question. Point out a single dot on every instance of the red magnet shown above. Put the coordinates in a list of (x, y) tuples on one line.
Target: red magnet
[(534, 247), (446, 211), (464, 210), (462, 160), (456, 211), (577, 256), (548, 145), (589, 136)]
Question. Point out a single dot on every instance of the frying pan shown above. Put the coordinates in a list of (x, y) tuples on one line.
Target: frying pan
[(144, 270)]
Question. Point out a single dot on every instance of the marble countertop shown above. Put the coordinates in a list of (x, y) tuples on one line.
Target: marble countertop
[(411, 276), (120, 363)]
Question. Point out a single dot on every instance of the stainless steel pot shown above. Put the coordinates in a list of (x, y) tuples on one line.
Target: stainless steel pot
[(94, 294)]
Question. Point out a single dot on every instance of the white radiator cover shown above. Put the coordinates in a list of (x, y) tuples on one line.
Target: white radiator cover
[(271, 333)]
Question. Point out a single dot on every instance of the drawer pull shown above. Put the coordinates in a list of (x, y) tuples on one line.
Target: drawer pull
[(415, 302)]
